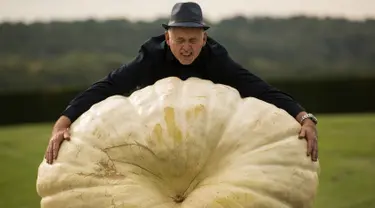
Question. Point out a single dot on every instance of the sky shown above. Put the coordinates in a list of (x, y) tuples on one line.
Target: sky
[(214, 10)]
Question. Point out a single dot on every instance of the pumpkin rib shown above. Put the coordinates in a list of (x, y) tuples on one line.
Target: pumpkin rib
[(208, 160)]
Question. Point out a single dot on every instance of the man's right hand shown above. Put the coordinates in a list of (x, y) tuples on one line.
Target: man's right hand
[(54, 144), (59, 134)]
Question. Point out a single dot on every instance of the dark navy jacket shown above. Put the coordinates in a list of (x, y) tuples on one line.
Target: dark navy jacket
[(155, 61)]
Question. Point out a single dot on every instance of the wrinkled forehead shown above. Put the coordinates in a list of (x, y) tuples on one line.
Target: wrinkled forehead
[(185, 32)]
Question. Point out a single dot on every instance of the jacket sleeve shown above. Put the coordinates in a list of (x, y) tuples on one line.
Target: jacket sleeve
[(120, 81), (250, 85)]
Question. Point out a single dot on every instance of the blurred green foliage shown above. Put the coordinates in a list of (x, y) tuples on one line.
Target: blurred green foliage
[(74, 54)]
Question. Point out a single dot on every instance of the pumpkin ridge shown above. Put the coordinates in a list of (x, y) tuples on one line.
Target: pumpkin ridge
[(284, 199), (281, 203), (198, 178), (272, 145)]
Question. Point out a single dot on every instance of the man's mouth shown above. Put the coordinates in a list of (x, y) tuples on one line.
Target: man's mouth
[(186, 55)]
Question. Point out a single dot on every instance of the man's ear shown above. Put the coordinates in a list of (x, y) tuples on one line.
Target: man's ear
[(167, 38), (204, 38)]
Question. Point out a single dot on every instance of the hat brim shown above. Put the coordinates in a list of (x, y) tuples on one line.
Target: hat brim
[(185, 24)]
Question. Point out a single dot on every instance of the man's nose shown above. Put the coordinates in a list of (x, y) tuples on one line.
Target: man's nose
[(186, 46)]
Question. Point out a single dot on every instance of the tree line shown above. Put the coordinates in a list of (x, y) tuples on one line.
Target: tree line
[(57, 55)]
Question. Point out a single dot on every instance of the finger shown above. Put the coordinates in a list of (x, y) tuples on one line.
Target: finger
[(303, 134), (49, 153), (56, 147), (314, 156), (310, 143)]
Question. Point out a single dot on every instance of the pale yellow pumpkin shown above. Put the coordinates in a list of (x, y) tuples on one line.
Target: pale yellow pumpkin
[(188, 144)]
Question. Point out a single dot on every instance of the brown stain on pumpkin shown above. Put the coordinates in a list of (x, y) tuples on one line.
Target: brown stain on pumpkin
[(172, 128), (105, 169), (158, 132), (194, 112)]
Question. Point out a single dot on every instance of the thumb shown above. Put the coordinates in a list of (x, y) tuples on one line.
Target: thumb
[(67, 134), (302, 133)]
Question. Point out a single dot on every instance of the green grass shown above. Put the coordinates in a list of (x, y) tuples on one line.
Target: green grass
[(347, 153)]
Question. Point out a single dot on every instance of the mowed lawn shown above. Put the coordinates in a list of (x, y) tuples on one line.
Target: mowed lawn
[(347, 153)]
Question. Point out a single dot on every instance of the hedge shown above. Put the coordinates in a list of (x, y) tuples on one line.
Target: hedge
[(317, 96)]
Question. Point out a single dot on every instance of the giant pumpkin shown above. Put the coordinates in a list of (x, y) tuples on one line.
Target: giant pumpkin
[(183, 144)]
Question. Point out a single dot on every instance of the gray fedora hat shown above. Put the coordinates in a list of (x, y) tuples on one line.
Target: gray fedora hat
[(186, 14)]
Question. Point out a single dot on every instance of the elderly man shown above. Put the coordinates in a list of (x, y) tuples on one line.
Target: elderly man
[(183, 51)]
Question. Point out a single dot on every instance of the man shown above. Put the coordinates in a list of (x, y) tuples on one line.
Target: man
[(184, 51)]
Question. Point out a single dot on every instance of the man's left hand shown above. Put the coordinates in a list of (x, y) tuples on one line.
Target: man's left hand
[(310, 133)]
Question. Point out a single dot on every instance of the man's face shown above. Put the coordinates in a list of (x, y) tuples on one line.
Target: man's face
[(186, 43)]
